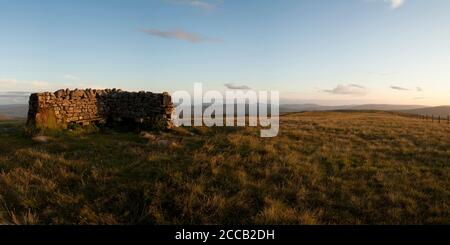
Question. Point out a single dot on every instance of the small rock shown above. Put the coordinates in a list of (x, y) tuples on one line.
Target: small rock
[(166, 143), (41, 139), (60, 93), (147, 136)]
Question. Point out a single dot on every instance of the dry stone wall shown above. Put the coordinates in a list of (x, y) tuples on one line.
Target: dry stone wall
[(65, 107)]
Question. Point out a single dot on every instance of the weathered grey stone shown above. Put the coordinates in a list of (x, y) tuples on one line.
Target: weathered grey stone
[(147, 136), (86, 106)]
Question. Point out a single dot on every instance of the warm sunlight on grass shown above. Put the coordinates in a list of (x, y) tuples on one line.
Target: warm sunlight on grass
[(323, 168)]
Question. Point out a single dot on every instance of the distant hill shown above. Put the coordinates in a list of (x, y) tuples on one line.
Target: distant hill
[(14, 111), (4, 118), (21, 110), (288, 108), (378, 107), (443, 111), (387, 107)]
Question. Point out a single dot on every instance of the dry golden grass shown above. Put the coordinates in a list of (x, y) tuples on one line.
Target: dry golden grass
[(323, 168)]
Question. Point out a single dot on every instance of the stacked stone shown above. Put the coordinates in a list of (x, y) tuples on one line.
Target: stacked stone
[(91, 105)]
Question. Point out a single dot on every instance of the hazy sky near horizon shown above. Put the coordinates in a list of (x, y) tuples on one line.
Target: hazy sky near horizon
[(324, 51)]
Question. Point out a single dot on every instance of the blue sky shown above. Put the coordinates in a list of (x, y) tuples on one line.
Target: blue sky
[(324, 51)]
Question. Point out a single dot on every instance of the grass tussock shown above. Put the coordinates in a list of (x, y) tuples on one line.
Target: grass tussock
[(323, 168)]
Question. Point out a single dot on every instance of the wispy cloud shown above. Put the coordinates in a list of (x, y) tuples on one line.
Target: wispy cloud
[(179, 35), (202, 4), (37, 86), (349, 89), (419, 98), (236, 87), (419, 89), (381, 73), (15, 93), (71, 77), (399, 88)]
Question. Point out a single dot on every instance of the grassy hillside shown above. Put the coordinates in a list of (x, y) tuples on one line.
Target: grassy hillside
[(443, 111), (367, 107), (323, 168)]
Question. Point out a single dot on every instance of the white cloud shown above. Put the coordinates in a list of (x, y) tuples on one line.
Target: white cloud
[(39, 86), (349, 89), (419, 98), (15, 85), (395, 3)]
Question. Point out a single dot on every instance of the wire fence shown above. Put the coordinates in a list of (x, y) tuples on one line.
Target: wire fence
[(433, 118)]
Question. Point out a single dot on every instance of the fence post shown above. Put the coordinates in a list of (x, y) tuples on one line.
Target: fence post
[(448, 119), (439, 119), (432, 118)]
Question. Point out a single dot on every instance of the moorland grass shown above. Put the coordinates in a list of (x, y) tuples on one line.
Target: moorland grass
[(323, 168)]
